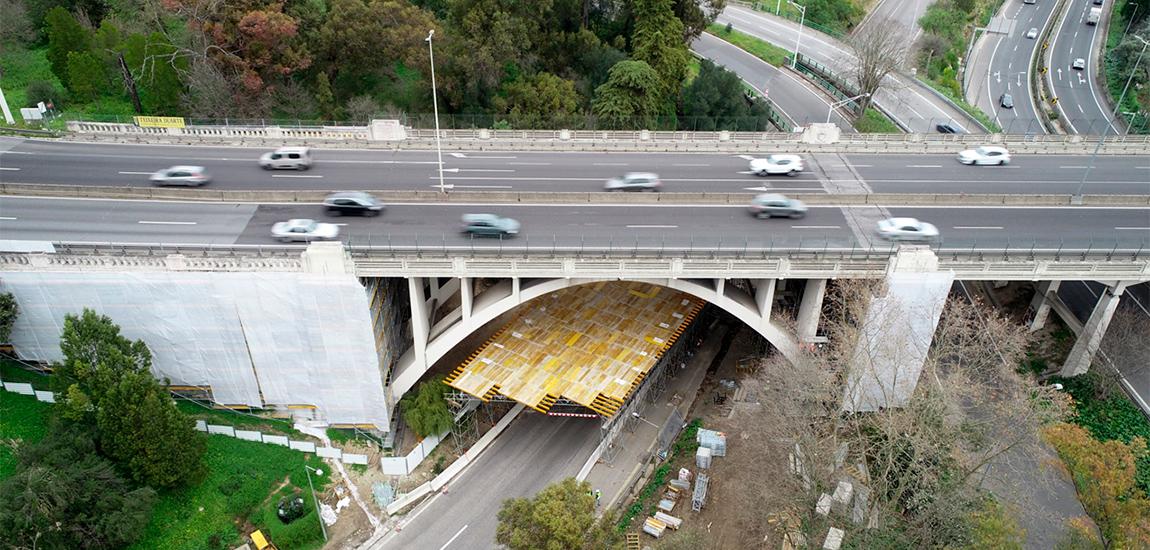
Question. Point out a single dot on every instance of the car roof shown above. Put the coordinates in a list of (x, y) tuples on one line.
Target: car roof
[(472, 218), (298, 222), (992, 148), (641, 175), (350, 195), (770, 197), (292, 149), (784, 156), (902, 221), (185, 168)]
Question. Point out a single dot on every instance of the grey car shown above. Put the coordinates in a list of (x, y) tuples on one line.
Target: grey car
[(771, 205), (353, 203), (489, 225), (191, 176), (634, 181), (1007, 101)]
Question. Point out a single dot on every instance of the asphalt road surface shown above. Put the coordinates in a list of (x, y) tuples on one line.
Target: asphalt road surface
[(66, 163), (1001, 65), (535, 451), (569, 227), (1081, 100)]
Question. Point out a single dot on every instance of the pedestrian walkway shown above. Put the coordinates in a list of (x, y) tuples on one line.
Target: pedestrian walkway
[(617, 469)]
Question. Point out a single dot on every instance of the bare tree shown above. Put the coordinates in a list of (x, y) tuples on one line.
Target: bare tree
[(879, 50), (923, 463), (1125, 346)]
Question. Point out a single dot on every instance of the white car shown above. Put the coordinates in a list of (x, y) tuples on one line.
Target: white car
[(304, 230), (906, 229), (634, 181), (1032, 33), (1079, 64), (987, 154), (790, 165), (192, 176)]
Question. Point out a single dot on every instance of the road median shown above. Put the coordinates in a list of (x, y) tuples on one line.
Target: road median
[(540, 197)]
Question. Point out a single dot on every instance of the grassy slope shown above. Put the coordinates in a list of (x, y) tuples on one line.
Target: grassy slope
[(761, 49), (874, 122), (21, 417), (23, 66)]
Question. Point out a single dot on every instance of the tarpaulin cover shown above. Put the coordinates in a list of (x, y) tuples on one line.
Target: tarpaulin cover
[(300, 339), (895, 339)]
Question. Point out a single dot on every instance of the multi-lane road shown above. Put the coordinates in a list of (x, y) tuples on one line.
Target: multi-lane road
[(43, 162), (1081, 101), (1000, 64)]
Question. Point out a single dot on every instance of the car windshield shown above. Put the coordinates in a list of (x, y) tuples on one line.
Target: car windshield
[(308, 227), (982, 151)]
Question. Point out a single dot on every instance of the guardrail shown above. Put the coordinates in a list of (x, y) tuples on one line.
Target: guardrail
[(562, 197)]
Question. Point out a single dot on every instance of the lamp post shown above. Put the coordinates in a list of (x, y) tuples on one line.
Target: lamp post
[(1076, 199), (843, 102), (639, 417), (1131, 21), (308, 470), (802, 19), (435, 107), (1128, 80)]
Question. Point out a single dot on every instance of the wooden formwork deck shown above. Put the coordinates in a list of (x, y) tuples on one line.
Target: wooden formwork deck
[(592, 344)]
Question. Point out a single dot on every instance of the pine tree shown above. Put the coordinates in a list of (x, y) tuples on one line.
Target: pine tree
[(65, 35), (87, 77)]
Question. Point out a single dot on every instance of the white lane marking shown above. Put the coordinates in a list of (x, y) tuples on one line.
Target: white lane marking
[(978, 227), (6, 168), (465, 156), (1142, 167), (1070, 167), (6, 218), (665, 180), (608, 164), (165, 223), (746, 157), (924, 166), (459, 155), (861, 165), (1132, 228), (690, 165), (293, 176), (452, 539), (652, 226), (816, 227), (340, 224), (529, 163), (16, 153), (457, 170), (457, 186), (136, 173)]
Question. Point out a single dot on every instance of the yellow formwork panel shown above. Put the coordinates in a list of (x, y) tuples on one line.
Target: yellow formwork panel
[(590, 344)]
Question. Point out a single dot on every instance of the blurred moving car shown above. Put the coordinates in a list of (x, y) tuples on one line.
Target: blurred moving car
[(1032, 33), (946, 128), (287, 158), (192, 176), (790, 165), (635, 181), (489, 225), (987, 154), (1006, 100), (304, 230), (772, 204), (354, 203), (1079, 64), (906, 229)]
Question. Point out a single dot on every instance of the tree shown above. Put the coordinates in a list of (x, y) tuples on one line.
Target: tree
[(717, 100), (65, 495), (632, 95), (15, 27), (155, 66), (425, 411), (696, 15), (362, 108), (9, 310), (540, 101), (86, 76), (560, 517), (993, 527), (65, 35), (41, 90), (658, 41), (1103, 473), (323, 96), (107, 384), (879, 50)]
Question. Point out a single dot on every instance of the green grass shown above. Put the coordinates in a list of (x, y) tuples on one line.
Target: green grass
[(874, 122), (1114, 418), (1117, 75), (242, 475), (970, 109), (11, 371), (21, 67), (243, 421), (761, 49), (693, 68), (24, 418)]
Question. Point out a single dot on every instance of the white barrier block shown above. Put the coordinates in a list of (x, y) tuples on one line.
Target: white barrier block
[(247, 435), (354, 459), (20, 387), (305, 446), (201, 426), (280, 440), (46, 396), (222, 430), (329, 452), (394, 465)]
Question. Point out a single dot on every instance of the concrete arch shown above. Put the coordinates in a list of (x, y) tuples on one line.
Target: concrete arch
[(508, 294)]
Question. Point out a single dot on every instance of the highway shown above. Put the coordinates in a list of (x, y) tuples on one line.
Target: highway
[(570, 227), (904, 13), (1081, 102), (535, 451), (1001, 64), (790, 93), (910, 101), (45, 162)]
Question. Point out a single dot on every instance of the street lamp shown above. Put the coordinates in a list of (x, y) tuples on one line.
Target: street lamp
[(308, 470), (1131, 21), (843, 102), (802, 19), (435, 106), (1128, 80), (637, 416), (1076, 199)]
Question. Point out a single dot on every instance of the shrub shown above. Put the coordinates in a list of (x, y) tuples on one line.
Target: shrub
[(42, 90)]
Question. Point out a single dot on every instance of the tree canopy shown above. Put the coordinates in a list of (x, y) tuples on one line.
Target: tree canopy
[(425, 410), (560, 517)]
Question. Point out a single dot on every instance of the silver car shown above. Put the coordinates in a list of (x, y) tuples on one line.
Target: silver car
[(906, 229), (287, 158), (635, 181), (304, 230), (771, 204), (191, 176)]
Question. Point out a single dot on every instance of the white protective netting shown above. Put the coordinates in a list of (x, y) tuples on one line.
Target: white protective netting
[(300, 339)]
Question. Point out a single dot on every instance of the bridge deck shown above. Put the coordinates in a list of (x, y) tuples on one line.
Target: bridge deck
[(592, 344)]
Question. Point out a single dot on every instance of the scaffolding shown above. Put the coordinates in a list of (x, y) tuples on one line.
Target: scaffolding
[(592, 345), (387, 297)]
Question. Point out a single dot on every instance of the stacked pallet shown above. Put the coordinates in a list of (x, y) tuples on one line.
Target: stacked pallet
[(592, 344)]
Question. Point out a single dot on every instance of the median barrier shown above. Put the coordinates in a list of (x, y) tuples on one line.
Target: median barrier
[(1116, 200), (1036, 200)]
